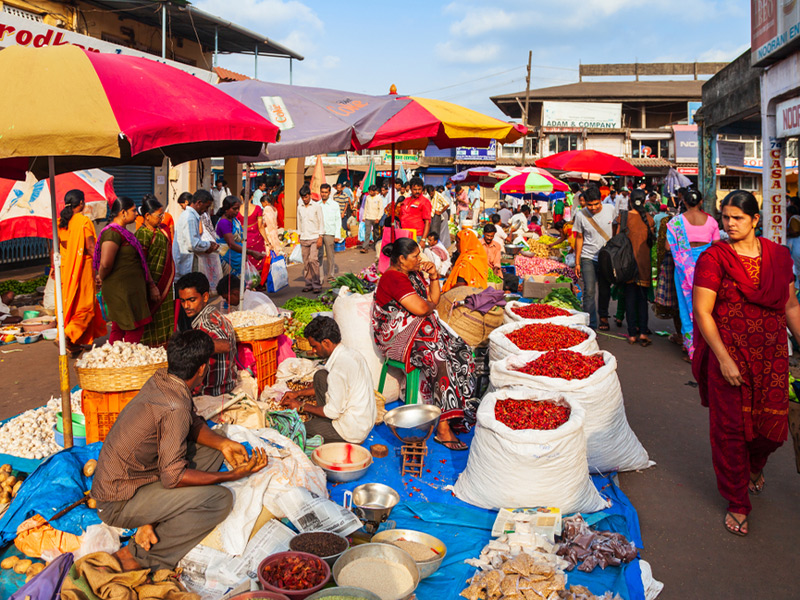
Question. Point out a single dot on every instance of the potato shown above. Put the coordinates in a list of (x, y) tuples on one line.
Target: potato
[(91, 503), (9, 562), (5, 498), (90, 467), (10, 481), (6, 468), (16, 489), (34, 569), (3, 476), (22, 565)]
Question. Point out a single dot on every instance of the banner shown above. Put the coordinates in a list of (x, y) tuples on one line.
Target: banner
[(730, 154), (488, 154), (584, 115), (686, 144), (774, 29)]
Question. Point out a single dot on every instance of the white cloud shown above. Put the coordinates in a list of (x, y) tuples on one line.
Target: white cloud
[(262, 15), (473, 54)]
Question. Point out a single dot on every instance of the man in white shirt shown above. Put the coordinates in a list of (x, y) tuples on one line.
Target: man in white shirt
[(332, 223), (219, 192), (342, 401), (373, 211), (475, 202), (188, 241), (310, 226), (505, 213), (518, 226), (261, 189), (436, 253), (593, 227), (621, 201)]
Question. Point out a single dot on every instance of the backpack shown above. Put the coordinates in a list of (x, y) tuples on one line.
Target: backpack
[(616, 260)]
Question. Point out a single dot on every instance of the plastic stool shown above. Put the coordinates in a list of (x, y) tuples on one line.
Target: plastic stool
[(412, 380)]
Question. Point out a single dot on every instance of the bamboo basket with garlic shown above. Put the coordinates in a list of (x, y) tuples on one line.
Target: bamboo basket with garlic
[(119, 367), (253, 326)]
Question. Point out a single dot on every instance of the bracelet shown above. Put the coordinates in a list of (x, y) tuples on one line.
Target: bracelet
[(302, 408)]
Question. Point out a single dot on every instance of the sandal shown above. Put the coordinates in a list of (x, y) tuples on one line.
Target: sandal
[(632, 340), (618, 322), (645, 342), (735, 529), (754, 488), (603, 324), (457, 445)]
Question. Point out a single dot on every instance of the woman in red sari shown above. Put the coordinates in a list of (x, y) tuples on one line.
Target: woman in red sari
[(256, 234), (744, 298)]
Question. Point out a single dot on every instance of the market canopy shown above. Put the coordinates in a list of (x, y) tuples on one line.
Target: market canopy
[(588, 161), (531, 182), (89, 110)]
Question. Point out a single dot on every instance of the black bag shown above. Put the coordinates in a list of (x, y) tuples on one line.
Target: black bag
[(616, 260)]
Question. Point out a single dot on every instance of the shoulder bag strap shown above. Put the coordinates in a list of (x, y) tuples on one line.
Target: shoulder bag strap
[(594, 224)]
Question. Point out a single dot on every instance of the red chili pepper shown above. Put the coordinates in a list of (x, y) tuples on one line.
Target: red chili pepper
[(564, 364), (539, 311), (531, 414), (543, 337)]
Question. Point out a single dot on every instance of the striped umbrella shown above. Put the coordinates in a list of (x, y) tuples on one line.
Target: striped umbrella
[(530, 182)]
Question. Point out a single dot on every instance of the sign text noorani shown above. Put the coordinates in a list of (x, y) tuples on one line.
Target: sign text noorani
[(775, 27), (787, 117), (582, 115)]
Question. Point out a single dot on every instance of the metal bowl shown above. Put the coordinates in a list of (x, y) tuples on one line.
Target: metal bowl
[(346, 592), (513, 250), (373, 502), (328, 559), (426, 568), (344, 476), (293, 594), (387, 552), (413, 422)]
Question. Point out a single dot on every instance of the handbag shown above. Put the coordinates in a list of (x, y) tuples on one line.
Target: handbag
[(278, 277)]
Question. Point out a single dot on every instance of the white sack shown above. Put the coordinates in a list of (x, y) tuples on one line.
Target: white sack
[(575, 318), (611, 443), (49, 301), (500, 346), (511, 469), (353, 313)]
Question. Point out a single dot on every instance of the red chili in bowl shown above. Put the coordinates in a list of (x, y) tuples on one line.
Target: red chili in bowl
[(563, 364), (294, 573), (546, 336)]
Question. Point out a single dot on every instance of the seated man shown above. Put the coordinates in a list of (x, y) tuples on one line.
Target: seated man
[(501, 235), (437, 254), (493, 248), (342, 401), (159, 464), (221, 376), (518, 231)]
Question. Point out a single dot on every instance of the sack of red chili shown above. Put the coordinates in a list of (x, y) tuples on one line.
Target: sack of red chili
[(528, 467), (563, 364), (526, 414), (513, 338), (611, 443), (543, 313)]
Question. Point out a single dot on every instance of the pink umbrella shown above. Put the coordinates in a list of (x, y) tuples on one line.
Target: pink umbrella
[(530, 182)]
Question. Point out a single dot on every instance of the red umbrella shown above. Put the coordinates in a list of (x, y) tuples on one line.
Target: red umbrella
[(588, 161)]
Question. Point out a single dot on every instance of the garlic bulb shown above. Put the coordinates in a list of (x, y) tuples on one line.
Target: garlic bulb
[(121, 354), (249, 318)]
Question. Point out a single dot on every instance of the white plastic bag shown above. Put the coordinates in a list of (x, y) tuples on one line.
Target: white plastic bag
[(49, 301), (575, 318), (353, 313), (260, 302), (296, 256), (309, 512), (512, 469), (611, 443), (500, 346)]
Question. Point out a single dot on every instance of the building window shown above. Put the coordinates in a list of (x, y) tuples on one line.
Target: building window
[(749, 183), (562, 143), (23, 14), (650, 148), (728, 182)]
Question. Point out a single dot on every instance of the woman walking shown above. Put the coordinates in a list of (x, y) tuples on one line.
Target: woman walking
[(230, 232), (155, 238), (122, 272), (256, 234), (689, 235), (640, 233), (83, 321), (744, 299)]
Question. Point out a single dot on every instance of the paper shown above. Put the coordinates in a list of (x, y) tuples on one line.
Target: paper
[(308, 512), (161, 179)]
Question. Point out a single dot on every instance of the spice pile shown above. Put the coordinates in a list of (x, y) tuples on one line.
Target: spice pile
[(121, 354), (386, 579), (419, 552), (539, 311), (250, 318), (320, 544), (294, 573), (543, 337), (531, 414), (563, 364), (587, 549)]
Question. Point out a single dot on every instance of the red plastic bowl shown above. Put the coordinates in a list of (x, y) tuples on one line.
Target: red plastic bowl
[(293, 594)]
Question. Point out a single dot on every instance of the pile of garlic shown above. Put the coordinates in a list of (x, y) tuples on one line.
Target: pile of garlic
[(30, 435), (121, 354), (249, 318)]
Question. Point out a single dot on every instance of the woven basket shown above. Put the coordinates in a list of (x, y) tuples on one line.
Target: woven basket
[(255, 333), (122, 379), (303, 345)]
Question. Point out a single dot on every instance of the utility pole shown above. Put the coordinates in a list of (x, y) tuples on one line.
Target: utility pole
[(525, 108)]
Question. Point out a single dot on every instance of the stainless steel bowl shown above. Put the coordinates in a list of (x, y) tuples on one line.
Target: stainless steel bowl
[(347, 592), (513, 250), (372, 502), (426, 568), (385, 551), (344, 476), (413, 422)]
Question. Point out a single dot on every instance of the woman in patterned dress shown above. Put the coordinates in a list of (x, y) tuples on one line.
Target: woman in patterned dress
[(744, 298), (407, 330)]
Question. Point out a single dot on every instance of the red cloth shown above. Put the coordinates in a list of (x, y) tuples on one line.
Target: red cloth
[(279, 208), (393, 285), (414, 212), (749, 422)]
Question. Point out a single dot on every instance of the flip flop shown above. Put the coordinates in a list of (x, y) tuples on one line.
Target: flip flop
[(455, 445), (644, 342), (603, 325), (756, 489), (736, 529)]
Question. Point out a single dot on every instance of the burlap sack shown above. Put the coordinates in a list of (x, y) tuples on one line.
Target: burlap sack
[(471, 325)]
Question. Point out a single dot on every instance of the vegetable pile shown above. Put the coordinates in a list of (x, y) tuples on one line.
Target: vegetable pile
[(356, 285), (492, 278), (544, 337), (562, 298), (531, 414), (563, 364), (22, 287), (303, 308), (294, 573), (540, 311)]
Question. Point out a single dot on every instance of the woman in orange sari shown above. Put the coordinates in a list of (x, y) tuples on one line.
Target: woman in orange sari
[(472, 266), (83, 321)]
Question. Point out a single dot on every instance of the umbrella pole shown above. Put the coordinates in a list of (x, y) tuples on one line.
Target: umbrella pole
[(244, 235), (391, 221), (63, 366)]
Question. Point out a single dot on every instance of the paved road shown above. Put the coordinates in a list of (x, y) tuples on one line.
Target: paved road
[(679, 507)]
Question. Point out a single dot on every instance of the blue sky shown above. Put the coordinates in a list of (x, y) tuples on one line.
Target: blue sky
[(465, 51)]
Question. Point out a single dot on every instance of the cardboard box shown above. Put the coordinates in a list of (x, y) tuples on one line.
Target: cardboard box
[(538, 286)]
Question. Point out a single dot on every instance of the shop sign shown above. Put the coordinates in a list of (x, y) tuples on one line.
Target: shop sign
[(696, 171), (691, 109), (562, 130), (686, 143), (387, 157), (582, 115), (488, 154), (730, 154), (787, 118), (775, 28), (17, 31), (775, 207)]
